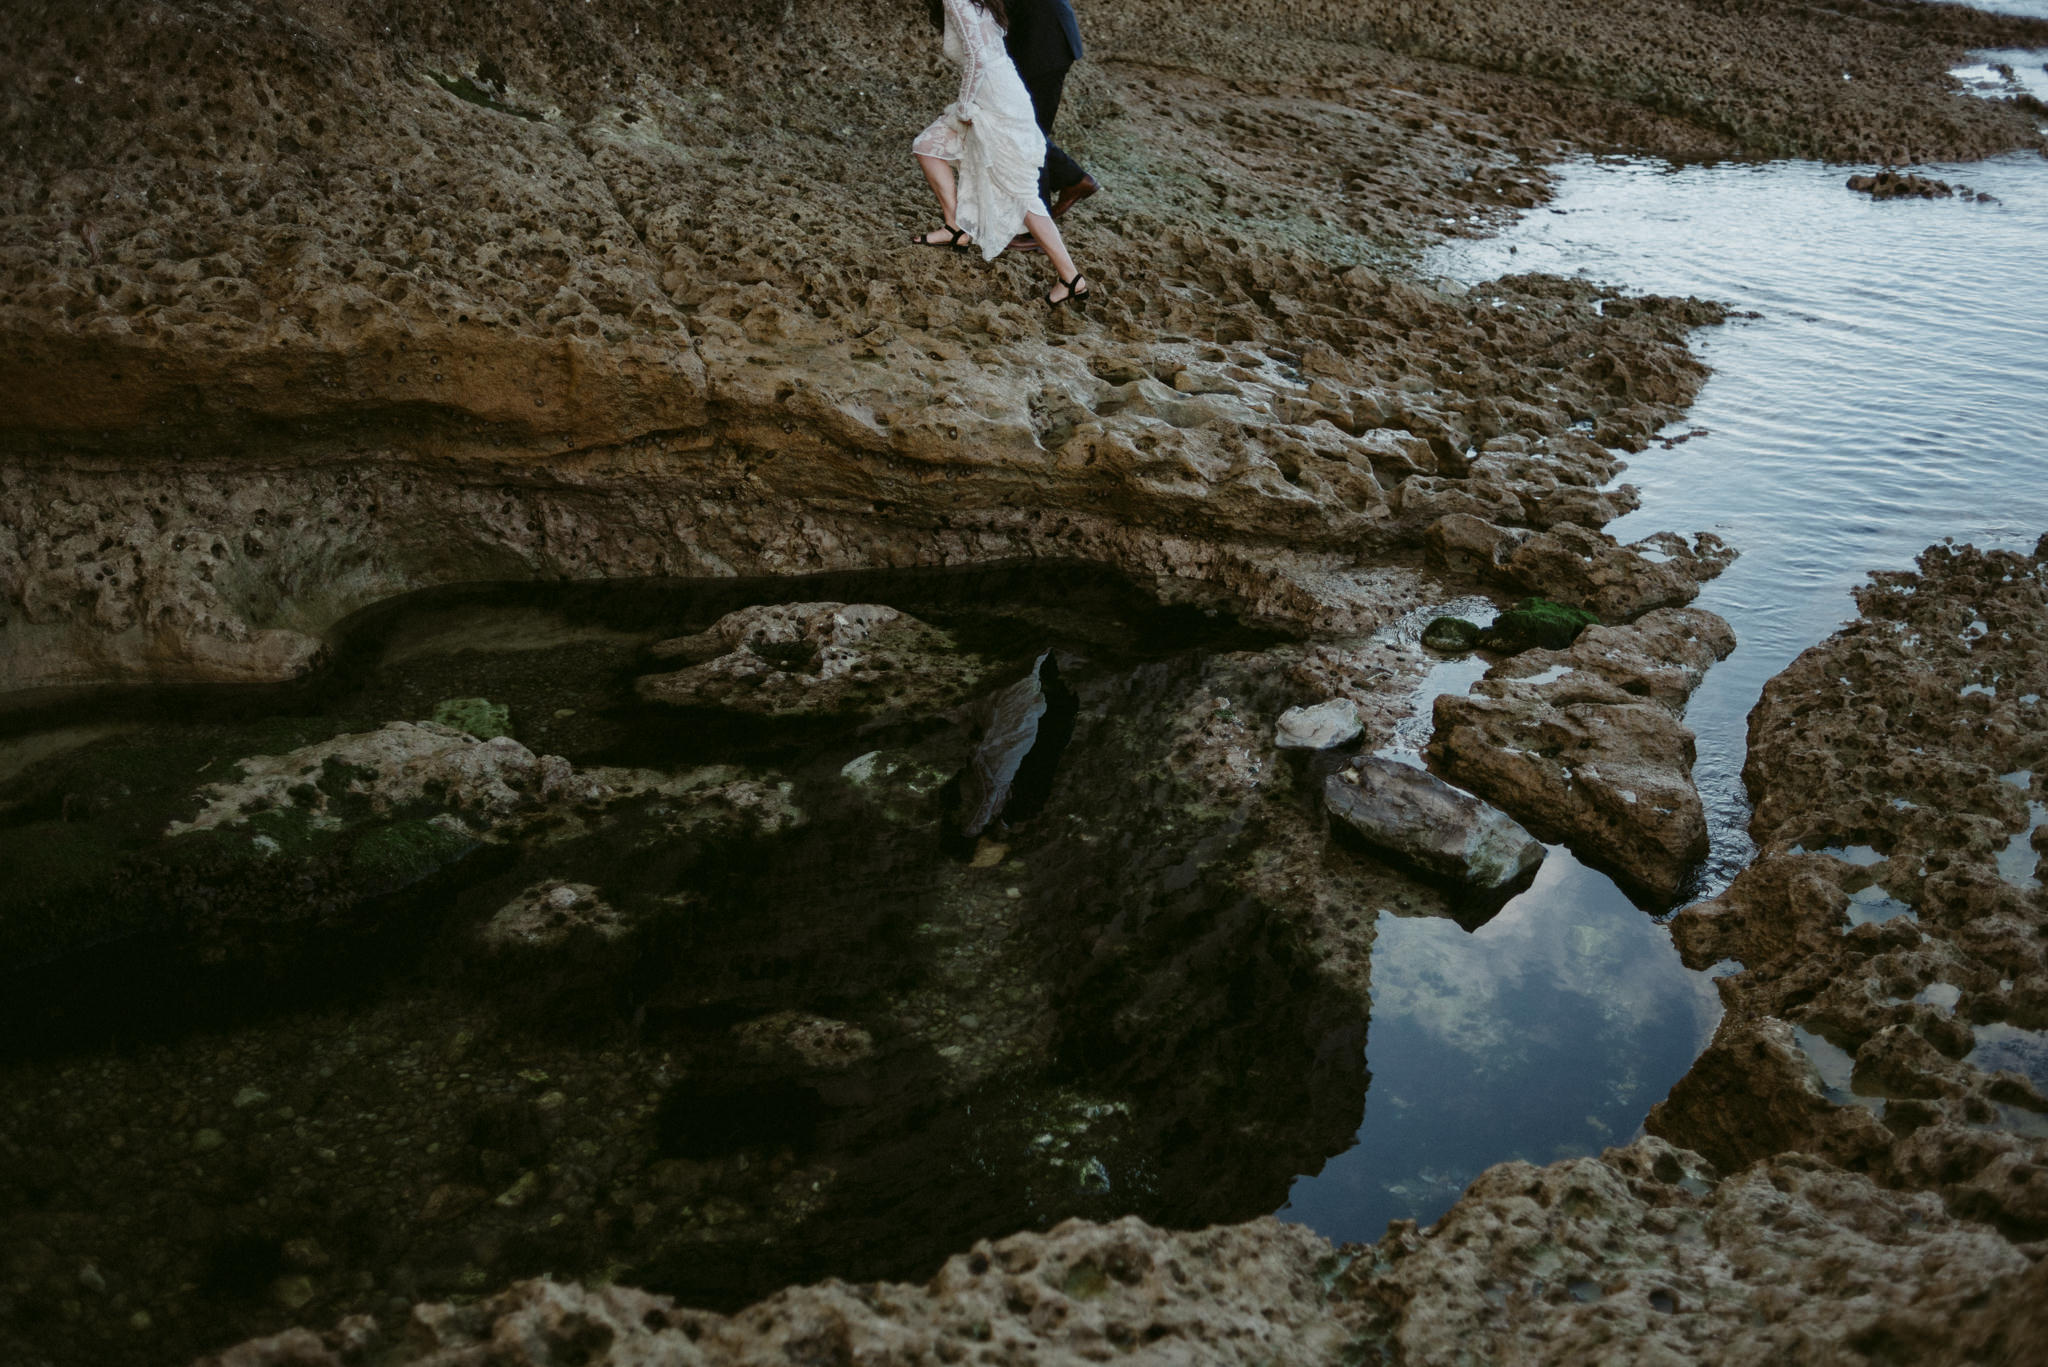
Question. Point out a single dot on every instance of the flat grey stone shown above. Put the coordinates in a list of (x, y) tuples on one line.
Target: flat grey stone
[(1444, 830)]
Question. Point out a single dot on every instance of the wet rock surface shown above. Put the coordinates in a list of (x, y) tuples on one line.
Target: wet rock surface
[(1890, 184), (1889, 1012), (308, 307)]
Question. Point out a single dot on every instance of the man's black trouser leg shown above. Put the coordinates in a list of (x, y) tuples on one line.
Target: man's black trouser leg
[(1061, 170)]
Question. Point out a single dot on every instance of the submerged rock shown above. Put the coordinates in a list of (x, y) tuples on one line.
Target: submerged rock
[(1424, 820), (828, 659), (400, 763), (549, 914), (1323, 726), (1890, 184)]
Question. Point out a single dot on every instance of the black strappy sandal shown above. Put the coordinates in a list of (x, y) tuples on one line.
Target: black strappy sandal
[(1077, 293), (957, 239)]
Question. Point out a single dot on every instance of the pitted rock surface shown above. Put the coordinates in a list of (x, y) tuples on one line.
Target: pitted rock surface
[(397, 764), (1895, 913), (1586, 745), (1081, 1293), (818, 659), (1642, 1255), (312, 306)]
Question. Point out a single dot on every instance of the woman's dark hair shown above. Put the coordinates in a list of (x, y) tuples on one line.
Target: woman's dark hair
[(937, 10)]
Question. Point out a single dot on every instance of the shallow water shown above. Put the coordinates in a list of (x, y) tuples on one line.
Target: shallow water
[(1892, 392)]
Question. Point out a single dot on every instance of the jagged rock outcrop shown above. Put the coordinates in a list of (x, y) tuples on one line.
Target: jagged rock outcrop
[(1587, 746)]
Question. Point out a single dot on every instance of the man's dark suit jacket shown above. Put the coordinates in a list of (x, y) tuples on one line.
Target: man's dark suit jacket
[(1043, 36)]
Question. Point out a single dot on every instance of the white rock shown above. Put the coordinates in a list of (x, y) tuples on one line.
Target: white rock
[(1320, 727)]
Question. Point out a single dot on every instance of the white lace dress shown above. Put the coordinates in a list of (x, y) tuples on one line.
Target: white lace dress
[(989, 133)]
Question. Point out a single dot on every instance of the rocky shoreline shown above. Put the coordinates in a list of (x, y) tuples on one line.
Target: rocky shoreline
[(310, 309), (1889, 1213)]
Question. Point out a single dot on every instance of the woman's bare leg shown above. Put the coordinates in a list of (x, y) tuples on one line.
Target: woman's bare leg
[(939, 174), (1046, 234)]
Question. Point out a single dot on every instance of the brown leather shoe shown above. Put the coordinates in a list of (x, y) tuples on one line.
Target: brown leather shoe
[(1074, 194), (1024, 242)]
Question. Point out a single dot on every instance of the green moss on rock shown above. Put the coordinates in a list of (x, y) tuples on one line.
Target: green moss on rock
[(1536, 624), (1451, 635), (482, 718)]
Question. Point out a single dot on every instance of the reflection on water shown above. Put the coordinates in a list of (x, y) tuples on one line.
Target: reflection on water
[(1547, 1033)]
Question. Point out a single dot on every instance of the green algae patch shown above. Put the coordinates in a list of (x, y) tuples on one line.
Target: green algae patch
[(480, 717), (1536, 624), (1532, 624)]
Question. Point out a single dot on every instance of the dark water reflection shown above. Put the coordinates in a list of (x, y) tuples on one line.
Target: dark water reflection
[(249, 1088)]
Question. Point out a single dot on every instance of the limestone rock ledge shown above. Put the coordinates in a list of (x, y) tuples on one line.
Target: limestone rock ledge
[(308, 307), (1641, 1255)]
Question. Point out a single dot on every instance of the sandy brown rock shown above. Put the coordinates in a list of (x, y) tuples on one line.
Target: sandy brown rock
[(1082, 1293), (1586, 745), (1639, 1256), (475, 299)]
